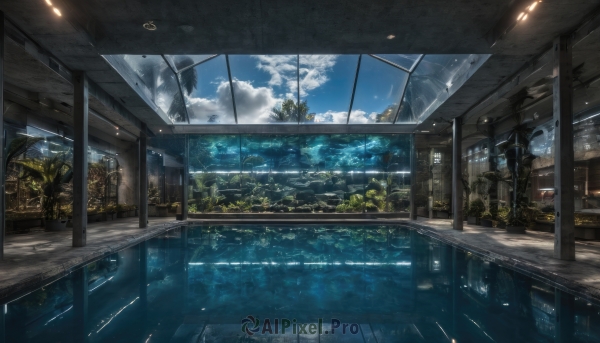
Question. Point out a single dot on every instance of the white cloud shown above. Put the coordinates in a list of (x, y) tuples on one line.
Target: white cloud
[(361, 117), (332, 117), (282, 69), (253, 105)]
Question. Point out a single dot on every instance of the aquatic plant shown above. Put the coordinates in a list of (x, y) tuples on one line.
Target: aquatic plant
[(253, 161)]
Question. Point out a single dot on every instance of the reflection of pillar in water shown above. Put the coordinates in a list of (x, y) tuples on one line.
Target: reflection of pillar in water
[(564, 304), (184, 262), (143, 252), (457, 267), (2, 323), (80, 305), (413, 269)]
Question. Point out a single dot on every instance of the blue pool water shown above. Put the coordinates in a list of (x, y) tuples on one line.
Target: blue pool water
[(298, 284)]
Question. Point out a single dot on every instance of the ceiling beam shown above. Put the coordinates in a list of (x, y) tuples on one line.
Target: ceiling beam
[(43, 56), (294, 129), (542, 62)]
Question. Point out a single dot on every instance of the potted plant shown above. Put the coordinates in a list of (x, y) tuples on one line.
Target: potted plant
[(162, 210), (122, 211), (518, 161), (132, 211), (476, 209), (53, 174), (110, 212), (94, 215), (486, 219)]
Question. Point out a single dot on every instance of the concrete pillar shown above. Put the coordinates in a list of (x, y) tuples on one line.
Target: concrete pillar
[(564, 304), (564, 195), (80, 305), (2, 171), (80, 158), (413, 177), (143, 178), (185, 180), (457, 188)]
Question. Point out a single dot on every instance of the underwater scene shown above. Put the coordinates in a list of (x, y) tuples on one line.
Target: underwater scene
[(311, 283), (350, 173)]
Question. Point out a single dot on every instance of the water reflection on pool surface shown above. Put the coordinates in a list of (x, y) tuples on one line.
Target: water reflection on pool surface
[(308, 283)]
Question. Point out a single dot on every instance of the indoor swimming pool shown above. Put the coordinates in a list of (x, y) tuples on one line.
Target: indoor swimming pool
[(298, 283)]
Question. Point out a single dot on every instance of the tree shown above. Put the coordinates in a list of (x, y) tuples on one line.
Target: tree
[(289, 110), (174, 85)]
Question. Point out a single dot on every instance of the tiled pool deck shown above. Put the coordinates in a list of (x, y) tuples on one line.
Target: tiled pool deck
[(30, 259)]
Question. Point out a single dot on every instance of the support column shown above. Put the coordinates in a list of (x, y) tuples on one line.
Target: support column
[(2, 171), (413, 177), (143, 178), (564, 194), (185, 180), (80, 158), (80, 305), (457, 188)]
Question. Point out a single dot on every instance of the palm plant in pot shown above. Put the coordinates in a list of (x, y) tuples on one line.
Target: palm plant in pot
[(53, 174), (518, 161), (476, 210)]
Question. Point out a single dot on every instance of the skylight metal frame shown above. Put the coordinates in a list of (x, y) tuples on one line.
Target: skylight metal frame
[(354, 88), (177, 73)]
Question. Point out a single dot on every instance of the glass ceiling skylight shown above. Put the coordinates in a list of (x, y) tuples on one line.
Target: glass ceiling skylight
[(295, 89)]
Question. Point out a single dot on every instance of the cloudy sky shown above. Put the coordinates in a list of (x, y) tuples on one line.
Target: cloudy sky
[(263, 82)]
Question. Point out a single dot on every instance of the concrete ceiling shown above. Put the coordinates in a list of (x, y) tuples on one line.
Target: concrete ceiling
[(95, 27), (31, 84)]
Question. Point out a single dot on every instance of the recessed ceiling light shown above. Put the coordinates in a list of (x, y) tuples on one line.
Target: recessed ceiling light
[(57, 11), (150, 26), (159, 130), (49, 2), (117, 133), (520, 15), (532, 6), (525, 17), (433, 124), (391, 37)]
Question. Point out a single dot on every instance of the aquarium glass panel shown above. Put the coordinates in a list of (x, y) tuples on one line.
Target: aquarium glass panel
[(326, 83), (266, 88), (378, 93), (299, 173), (208, 92), (406, 62)]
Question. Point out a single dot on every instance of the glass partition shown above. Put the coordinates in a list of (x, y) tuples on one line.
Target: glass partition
[(350, 173)]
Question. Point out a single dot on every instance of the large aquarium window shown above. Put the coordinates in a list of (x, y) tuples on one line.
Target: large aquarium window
[(299, 173), (295, 89)]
